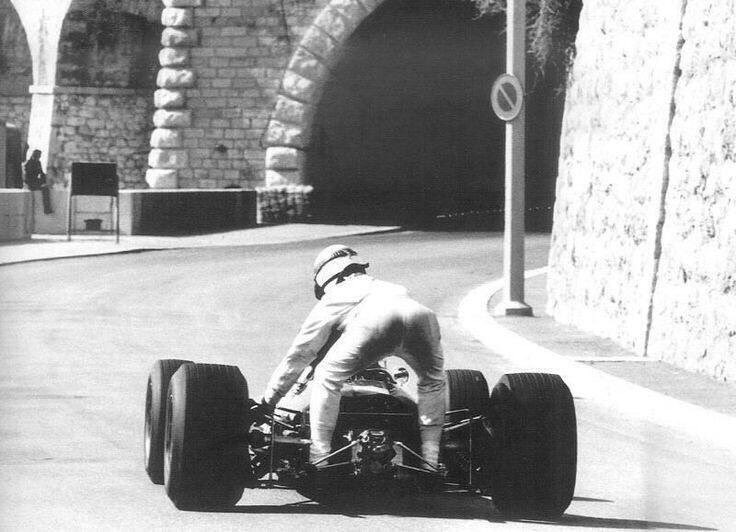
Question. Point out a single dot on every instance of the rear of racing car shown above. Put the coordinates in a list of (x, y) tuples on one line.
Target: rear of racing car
[(518, 443)]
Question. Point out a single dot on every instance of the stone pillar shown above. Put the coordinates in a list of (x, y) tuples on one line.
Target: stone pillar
[(40, 124), (42, 21), (284, 166), (167, 153)]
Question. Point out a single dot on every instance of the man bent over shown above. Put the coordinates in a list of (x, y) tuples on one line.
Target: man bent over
[(367, 319)]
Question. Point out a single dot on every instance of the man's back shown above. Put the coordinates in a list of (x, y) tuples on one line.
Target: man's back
[(34, 173)]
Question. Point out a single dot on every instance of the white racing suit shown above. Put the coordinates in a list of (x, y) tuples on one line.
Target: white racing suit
[(375, 319)]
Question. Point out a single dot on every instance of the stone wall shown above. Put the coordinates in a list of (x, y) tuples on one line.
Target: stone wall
[(15, 70), (643, 244), (110, 43), (222, 66), (694, 308), (101, 125), (16, 110), (15, 214), (15, 57)]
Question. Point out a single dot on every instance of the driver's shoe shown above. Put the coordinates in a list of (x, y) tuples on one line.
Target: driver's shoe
[(320, 478)]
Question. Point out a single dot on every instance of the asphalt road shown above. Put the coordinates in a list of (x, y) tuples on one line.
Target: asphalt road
[(77, 337)]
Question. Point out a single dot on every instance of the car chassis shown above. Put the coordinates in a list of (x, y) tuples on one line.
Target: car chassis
[(207, 441)]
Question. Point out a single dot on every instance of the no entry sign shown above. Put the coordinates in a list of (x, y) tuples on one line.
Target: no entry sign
[(507, 97)]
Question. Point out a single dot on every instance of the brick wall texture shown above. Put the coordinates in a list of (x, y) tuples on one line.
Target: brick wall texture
[(103, 125), (16, 110), (237, 52), (644, 239)]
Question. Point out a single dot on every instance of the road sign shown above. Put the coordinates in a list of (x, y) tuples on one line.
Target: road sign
[(507, 97)]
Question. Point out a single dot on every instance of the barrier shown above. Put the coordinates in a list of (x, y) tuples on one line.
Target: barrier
[(15, 214)]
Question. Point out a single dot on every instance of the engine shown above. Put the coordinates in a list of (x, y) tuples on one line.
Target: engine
[(374, 453)]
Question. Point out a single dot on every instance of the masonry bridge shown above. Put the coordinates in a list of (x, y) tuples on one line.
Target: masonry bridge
[(381, 106)]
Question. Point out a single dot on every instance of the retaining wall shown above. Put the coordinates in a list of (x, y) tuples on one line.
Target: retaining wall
[(150, 212), (644, 225), (15, 214), (694, 305)]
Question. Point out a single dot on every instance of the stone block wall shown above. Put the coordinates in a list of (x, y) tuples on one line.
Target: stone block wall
[(643, 239), (222, 66), (15, 214), (16, 110), (15, 57), (109, 43), (694, 306), (101, 125), (611, 165), (15, 70), (142, 212)]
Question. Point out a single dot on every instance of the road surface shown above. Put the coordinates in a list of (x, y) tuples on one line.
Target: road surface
[(78, 336)]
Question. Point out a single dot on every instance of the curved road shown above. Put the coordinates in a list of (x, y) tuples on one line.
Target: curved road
[(77, 337)]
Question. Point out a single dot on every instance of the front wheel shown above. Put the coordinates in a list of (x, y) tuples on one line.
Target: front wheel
[(535, 445), (206, 459)]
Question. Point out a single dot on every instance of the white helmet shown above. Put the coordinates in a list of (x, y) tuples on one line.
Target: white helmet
[(331, 262)]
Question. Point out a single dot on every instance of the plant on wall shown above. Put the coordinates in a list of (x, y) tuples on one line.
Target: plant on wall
[(551, 29)]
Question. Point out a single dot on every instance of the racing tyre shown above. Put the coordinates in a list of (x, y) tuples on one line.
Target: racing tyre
[(155, 419), (535, 445), (206, 460), (464, 451), (466, 388)]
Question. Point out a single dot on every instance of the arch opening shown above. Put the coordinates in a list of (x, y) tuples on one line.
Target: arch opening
[(107, 63), (107, 43), (16, 68), (16, 75), (403, 132)]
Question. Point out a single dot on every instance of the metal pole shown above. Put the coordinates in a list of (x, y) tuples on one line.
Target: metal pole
[(69, 214), (513, 248), (117, 219)]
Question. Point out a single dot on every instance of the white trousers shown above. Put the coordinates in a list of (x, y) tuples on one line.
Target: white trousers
[(383, 326)]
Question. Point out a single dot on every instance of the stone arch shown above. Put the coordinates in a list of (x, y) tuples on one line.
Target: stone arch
[(107, 62), (291, 121)]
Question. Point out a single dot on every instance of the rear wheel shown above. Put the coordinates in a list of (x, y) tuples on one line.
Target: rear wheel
[(466, 388), (206, 460), (155, 419), (535, 445), (467, 396)]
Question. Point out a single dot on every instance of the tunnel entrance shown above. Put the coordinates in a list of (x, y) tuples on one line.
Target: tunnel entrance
[(403, 132)]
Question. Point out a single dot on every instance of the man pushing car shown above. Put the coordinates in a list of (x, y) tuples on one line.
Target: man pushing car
[(357, 321)]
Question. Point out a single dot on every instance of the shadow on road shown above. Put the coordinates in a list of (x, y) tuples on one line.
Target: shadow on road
[(358, 505), (460, 505), (590, 499), (573, 520)]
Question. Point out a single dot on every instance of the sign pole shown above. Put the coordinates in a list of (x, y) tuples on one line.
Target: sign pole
[(513, 248), (69, 218)]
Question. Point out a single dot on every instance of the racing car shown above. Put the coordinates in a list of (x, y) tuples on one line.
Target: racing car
[(206, 444)]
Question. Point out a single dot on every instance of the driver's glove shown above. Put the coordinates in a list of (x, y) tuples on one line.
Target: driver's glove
[(260, 410)]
